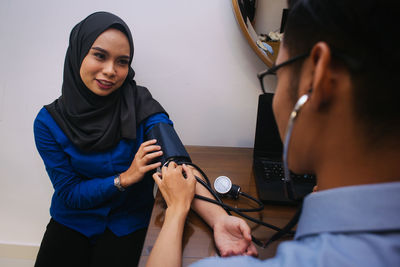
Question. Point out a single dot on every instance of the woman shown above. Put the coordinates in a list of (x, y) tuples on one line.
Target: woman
[(336, 107), (87, 139), (92, 142)]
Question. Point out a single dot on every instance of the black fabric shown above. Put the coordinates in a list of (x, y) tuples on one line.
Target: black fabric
[(62, 246), (169, 141), (97, 123)]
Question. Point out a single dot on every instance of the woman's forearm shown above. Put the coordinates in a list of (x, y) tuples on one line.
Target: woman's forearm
[(167, 250), (208, 211)]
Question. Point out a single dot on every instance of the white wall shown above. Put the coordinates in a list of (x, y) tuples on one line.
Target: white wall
[(190, 54)]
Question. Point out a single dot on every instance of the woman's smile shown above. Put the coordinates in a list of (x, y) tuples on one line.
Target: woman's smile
[(104, 84)]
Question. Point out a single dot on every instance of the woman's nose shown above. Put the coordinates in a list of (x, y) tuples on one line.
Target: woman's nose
[(109, 69)]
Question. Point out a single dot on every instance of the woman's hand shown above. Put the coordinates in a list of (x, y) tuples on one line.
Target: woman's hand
[(141, 164), (178, 191), (232, 237)]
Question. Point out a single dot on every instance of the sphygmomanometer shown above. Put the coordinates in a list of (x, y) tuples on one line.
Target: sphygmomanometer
[(174, 150)]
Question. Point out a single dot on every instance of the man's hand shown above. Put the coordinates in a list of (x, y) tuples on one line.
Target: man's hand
[(178, 192), (232, 237)]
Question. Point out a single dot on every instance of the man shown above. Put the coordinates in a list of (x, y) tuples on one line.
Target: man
[(340, 57)]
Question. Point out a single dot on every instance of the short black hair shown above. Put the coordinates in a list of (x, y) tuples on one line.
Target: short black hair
[(363, 36)]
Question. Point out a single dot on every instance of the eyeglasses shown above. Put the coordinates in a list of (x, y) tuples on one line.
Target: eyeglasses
[(263, 76), (352, 63)]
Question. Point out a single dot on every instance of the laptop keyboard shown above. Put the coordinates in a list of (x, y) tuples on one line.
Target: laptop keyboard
[(273, 170)]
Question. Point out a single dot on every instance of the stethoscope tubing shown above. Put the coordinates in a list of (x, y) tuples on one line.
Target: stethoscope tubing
[(286, 230)]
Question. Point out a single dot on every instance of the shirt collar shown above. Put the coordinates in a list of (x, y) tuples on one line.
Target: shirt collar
[(372, 207)]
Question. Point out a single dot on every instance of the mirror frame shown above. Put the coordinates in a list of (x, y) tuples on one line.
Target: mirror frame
[(242, 24)]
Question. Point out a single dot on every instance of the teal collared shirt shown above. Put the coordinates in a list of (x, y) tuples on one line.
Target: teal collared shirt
[(346, 226)]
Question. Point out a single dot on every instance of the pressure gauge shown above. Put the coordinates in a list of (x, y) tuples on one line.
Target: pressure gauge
[(222, 184)]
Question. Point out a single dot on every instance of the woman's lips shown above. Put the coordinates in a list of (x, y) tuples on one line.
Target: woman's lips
[(103, 84)]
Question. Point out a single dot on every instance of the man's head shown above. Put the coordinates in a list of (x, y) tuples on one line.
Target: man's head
[(351, 69), (361, 36)]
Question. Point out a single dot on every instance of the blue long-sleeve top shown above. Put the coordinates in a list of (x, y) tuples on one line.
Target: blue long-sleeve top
[(85, 198)]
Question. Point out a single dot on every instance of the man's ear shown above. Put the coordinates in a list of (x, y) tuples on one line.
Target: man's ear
[(321, 80)]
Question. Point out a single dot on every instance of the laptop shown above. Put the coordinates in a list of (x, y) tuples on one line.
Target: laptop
[(267, 159)]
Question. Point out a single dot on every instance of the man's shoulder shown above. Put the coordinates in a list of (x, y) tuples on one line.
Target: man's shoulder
[(235, 261)]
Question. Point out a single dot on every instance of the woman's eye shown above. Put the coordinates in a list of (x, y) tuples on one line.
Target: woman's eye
[(123, 62), (100, 56)]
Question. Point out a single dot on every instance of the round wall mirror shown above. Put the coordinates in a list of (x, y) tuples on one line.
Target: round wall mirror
[(262, 23)]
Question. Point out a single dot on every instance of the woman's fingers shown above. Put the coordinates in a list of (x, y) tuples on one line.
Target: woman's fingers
[(151, 167), (151, 148), (147, 147), (149, 142), (148, 151), (245, 230), (151, 156)]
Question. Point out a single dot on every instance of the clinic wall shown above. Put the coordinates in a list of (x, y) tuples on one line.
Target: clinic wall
[(190, 54)]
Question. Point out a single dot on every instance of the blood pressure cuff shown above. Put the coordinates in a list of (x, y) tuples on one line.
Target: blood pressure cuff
[(170, 143)]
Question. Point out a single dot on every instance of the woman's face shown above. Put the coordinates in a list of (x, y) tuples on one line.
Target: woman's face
[(106, 65)]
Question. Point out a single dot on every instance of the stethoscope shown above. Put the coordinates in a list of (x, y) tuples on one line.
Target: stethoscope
[(225, 188)]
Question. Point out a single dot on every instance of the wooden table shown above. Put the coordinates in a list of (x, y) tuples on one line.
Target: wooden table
[(236, 163)]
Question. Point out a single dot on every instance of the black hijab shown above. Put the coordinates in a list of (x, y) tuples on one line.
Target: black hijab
[(97, 123)]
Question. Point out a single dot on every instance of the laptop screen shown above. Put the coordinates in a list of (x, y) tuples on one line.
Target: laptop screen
[(267, 141)]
